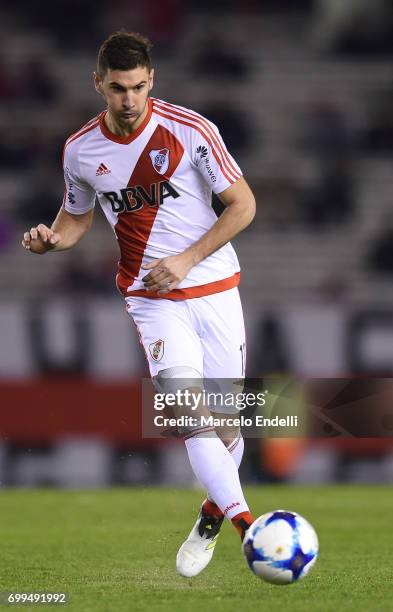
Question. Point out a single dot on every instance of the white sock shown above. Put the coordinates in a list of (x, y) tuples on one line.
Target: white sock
[(236, 448), (215, 468)]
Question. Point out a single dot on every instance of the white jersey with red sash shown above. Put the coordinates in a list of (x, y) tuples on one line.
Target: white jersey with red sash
[(155, 188)]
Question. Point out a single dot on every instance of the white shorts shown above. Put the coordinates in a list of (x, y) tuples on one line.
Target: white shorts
[(205, 334)]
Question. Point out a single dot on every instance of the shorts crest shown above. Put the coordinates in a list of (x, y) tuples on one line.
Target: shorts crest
[(156, 350)]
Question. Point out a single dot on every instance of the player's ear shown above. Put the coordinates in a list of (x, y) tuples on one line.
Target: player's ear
[(97, 83), (151, 79)]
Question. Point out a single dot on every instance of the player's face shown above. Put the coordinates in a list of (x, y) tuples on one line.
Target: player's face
[(126, 93)]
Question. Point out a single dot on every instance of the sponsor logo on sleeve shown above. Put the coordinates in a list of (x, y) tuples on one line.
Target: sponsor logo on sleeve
[(202, 156), (202, 151), (70, 186)]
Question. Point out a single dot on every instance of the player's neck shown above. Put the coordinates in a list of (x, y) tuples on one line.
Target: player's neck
[(124, 130)]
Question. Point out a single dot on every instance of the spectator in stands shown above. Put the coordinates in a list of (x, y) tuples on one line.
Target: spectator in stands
[(378, 136), (8, 88), (232, 123), (217, 59), (379, 258), (331, 201), (42, 197), (71, 23), (355, 26), (81, 279), (78, 278), (269, 348), (39, 85), (281, 203), (326, 130), (5, 231), (164, 21), (16, 149)]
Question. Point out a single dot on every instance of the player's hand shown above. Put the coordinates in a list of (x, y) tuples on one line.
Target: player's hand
[(167, 273), (40, 239)]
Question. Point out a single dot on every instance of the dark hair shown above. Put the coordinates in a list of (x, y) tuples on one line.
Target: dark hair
[(123, 51)]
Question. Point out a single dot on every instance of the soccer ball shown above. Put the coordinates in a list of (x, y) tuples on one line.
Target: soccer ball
[(280, 547)]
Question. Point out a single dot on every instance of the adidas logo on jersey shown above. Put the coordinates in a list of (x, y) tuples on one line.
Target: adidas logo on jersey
[(102, 169)]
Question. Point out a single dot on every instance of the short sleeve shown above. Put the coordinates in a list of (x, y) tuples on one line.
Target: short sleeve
[(212, 158), (79, 197)]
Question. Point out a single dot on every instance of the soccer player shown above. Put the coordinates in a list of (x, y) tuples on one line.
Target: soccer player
[(152, 166)]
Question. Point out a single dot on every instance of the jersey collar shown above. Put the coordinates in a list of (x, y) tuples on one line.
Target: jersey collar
[(125, 139)]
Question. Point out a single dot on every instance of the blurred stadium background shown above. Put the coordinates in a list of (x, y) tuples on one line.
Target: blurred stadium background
[(301, 92)]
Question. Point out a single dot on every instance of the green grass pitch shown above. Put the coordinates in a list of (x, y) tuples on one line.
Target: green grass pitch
[(114, 550)]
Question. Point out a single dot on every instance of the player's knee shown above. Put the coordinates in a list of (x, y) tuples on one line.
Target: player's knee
[(178, 378), (227, 433), (186, 384)]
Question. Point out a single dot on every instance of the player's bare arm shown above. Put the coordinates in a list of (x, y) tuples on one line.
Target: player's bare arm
[(168, 272), (66, 231)]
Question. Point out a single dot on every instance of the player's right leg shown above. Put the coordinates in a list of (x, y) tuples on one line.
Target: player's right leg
[(179, 356), (193, 555), (180, 353), (223, 344), (197, 550)]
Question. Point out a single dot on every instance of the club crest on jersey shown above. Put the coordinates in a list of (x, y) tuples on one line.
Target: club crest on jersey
[(160, 160), (157, 350)]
